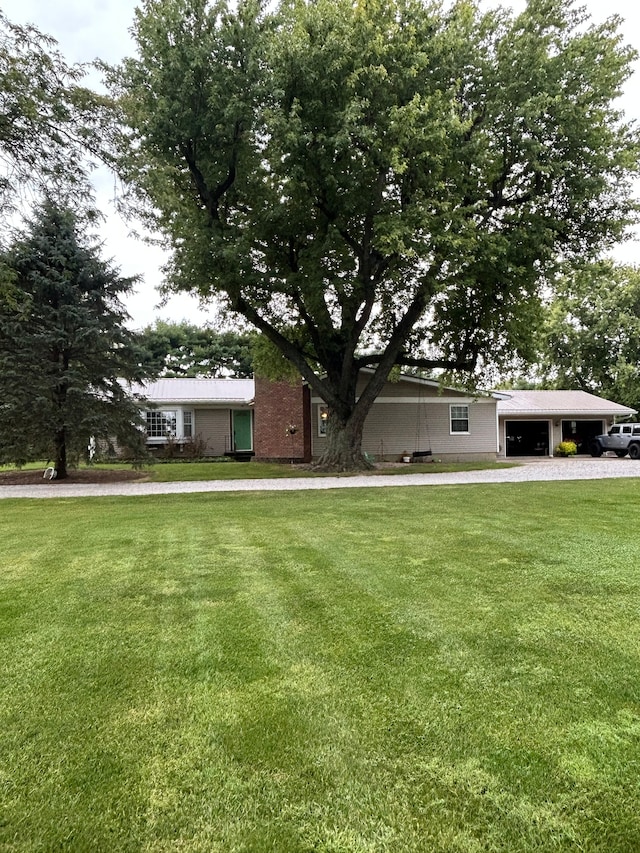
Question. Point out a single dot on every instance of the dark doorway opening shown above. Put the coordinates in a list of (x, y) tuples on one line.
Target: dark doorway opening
[(582, 433), (527, 438)]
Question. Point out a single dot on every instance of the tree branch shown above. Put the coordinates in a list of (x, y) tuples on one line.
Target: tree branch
[(288, 349), (426, 363), (211, 198)]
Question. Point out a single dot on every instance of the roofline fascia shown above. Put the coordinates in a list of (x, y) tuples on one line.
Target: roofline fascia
[(564, 413)]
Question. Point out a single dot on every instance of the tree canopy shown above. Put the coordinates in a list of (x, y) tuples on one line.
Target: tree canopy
[(48, 122), (182, 349), (64, 349), (591, 338), (376, 183)]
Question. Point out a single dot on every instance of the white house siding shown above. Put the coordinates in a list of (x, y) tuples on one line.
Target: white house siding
[(480, 443), (395, 428), (213, 427)]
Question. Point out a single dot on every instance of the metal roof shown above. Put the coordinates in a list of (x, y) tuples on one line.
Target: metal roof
[(558, 403), (510, 402), (212, 391)]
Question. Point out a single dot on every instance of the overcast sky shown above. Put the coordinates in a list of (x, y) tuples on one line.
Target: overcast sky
[(90, 29)]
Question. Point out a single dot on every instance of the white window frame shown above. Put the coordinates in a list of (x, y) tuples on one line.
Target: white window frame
[(187, 424), (183, 425), (459, 417)]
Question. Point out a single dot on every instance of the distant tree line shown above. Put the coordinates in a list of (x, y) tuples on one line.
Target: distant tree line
[(589, 337), (184, 349)]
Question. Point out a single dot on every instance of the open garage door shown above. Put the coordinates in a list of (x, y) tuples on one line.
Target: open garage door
[(582, 432), (527, 438)]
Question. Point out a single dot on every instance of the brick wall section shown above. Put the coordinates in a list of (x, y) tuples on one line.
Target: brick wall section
[(277, 406)]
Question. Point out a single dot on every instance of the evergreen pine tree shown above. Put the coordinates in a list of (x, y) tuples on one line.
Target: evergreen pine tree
[(65, 353)]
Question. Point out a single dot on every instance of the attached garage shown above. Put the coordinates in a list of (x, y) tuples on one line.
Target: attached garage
[(533, 423), (527, 438)]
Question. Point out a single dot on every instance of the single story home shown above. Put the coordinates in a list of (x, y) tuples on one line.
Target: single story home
[(214, 414), (412, 417), (532, 423)]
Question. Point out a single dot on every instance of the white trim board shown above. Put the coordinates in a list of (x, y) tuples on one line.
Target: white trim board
[(420, 400)]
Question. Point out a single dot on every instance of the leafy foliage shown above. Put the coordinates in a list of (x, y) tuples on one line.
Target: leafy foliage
[(182, 349), (63, 346), (48, 122), (592, 334), (566, 448), (376, 184)]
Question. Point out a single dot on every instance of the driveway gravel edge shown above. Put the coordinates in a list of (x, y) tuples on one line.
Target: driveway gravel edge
[(538, 471)]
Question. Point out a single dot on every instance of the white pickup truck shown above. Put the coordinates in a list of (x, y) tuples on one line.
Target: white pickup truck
[(621, 439)]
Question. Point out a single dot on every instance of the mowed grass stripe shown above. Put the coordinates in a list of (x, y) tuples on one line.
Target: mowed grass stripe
[(439, 669)]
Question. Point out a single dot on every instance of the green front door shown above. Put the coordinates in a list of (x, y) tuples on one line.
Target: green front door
[(242, 432)]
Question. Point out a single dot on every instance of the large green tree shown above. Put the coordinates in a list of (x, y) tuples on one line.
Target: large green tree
[(49, 123), (591, 338), (64, 348), (182, 349), (376, 183)]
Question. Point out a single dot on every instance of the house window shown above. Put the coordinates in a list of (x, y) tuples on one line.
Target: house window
[(164, 424), (459, 419), (187, 424), (161, 424), (323, 417)]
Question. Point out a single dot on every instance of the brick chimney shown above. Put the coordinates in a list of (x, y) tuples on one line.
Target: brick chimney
[(282, 421)]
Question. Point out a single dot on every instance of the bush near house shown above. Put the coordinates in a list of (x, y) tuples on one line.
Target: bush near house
[(566, 448)]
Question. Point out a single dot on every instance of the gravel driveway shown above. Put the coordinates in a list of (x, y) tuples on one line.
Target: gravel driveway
[(580, 468)]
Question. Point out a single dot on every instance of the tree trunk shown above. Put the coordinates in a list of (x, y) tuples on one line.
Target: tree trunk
[(61, 454), (344, 444)]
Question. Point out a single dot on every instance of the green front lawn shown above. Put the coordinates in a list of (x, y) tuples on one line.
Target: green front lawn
[(181, 471), (173, 472), (350, 671)]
